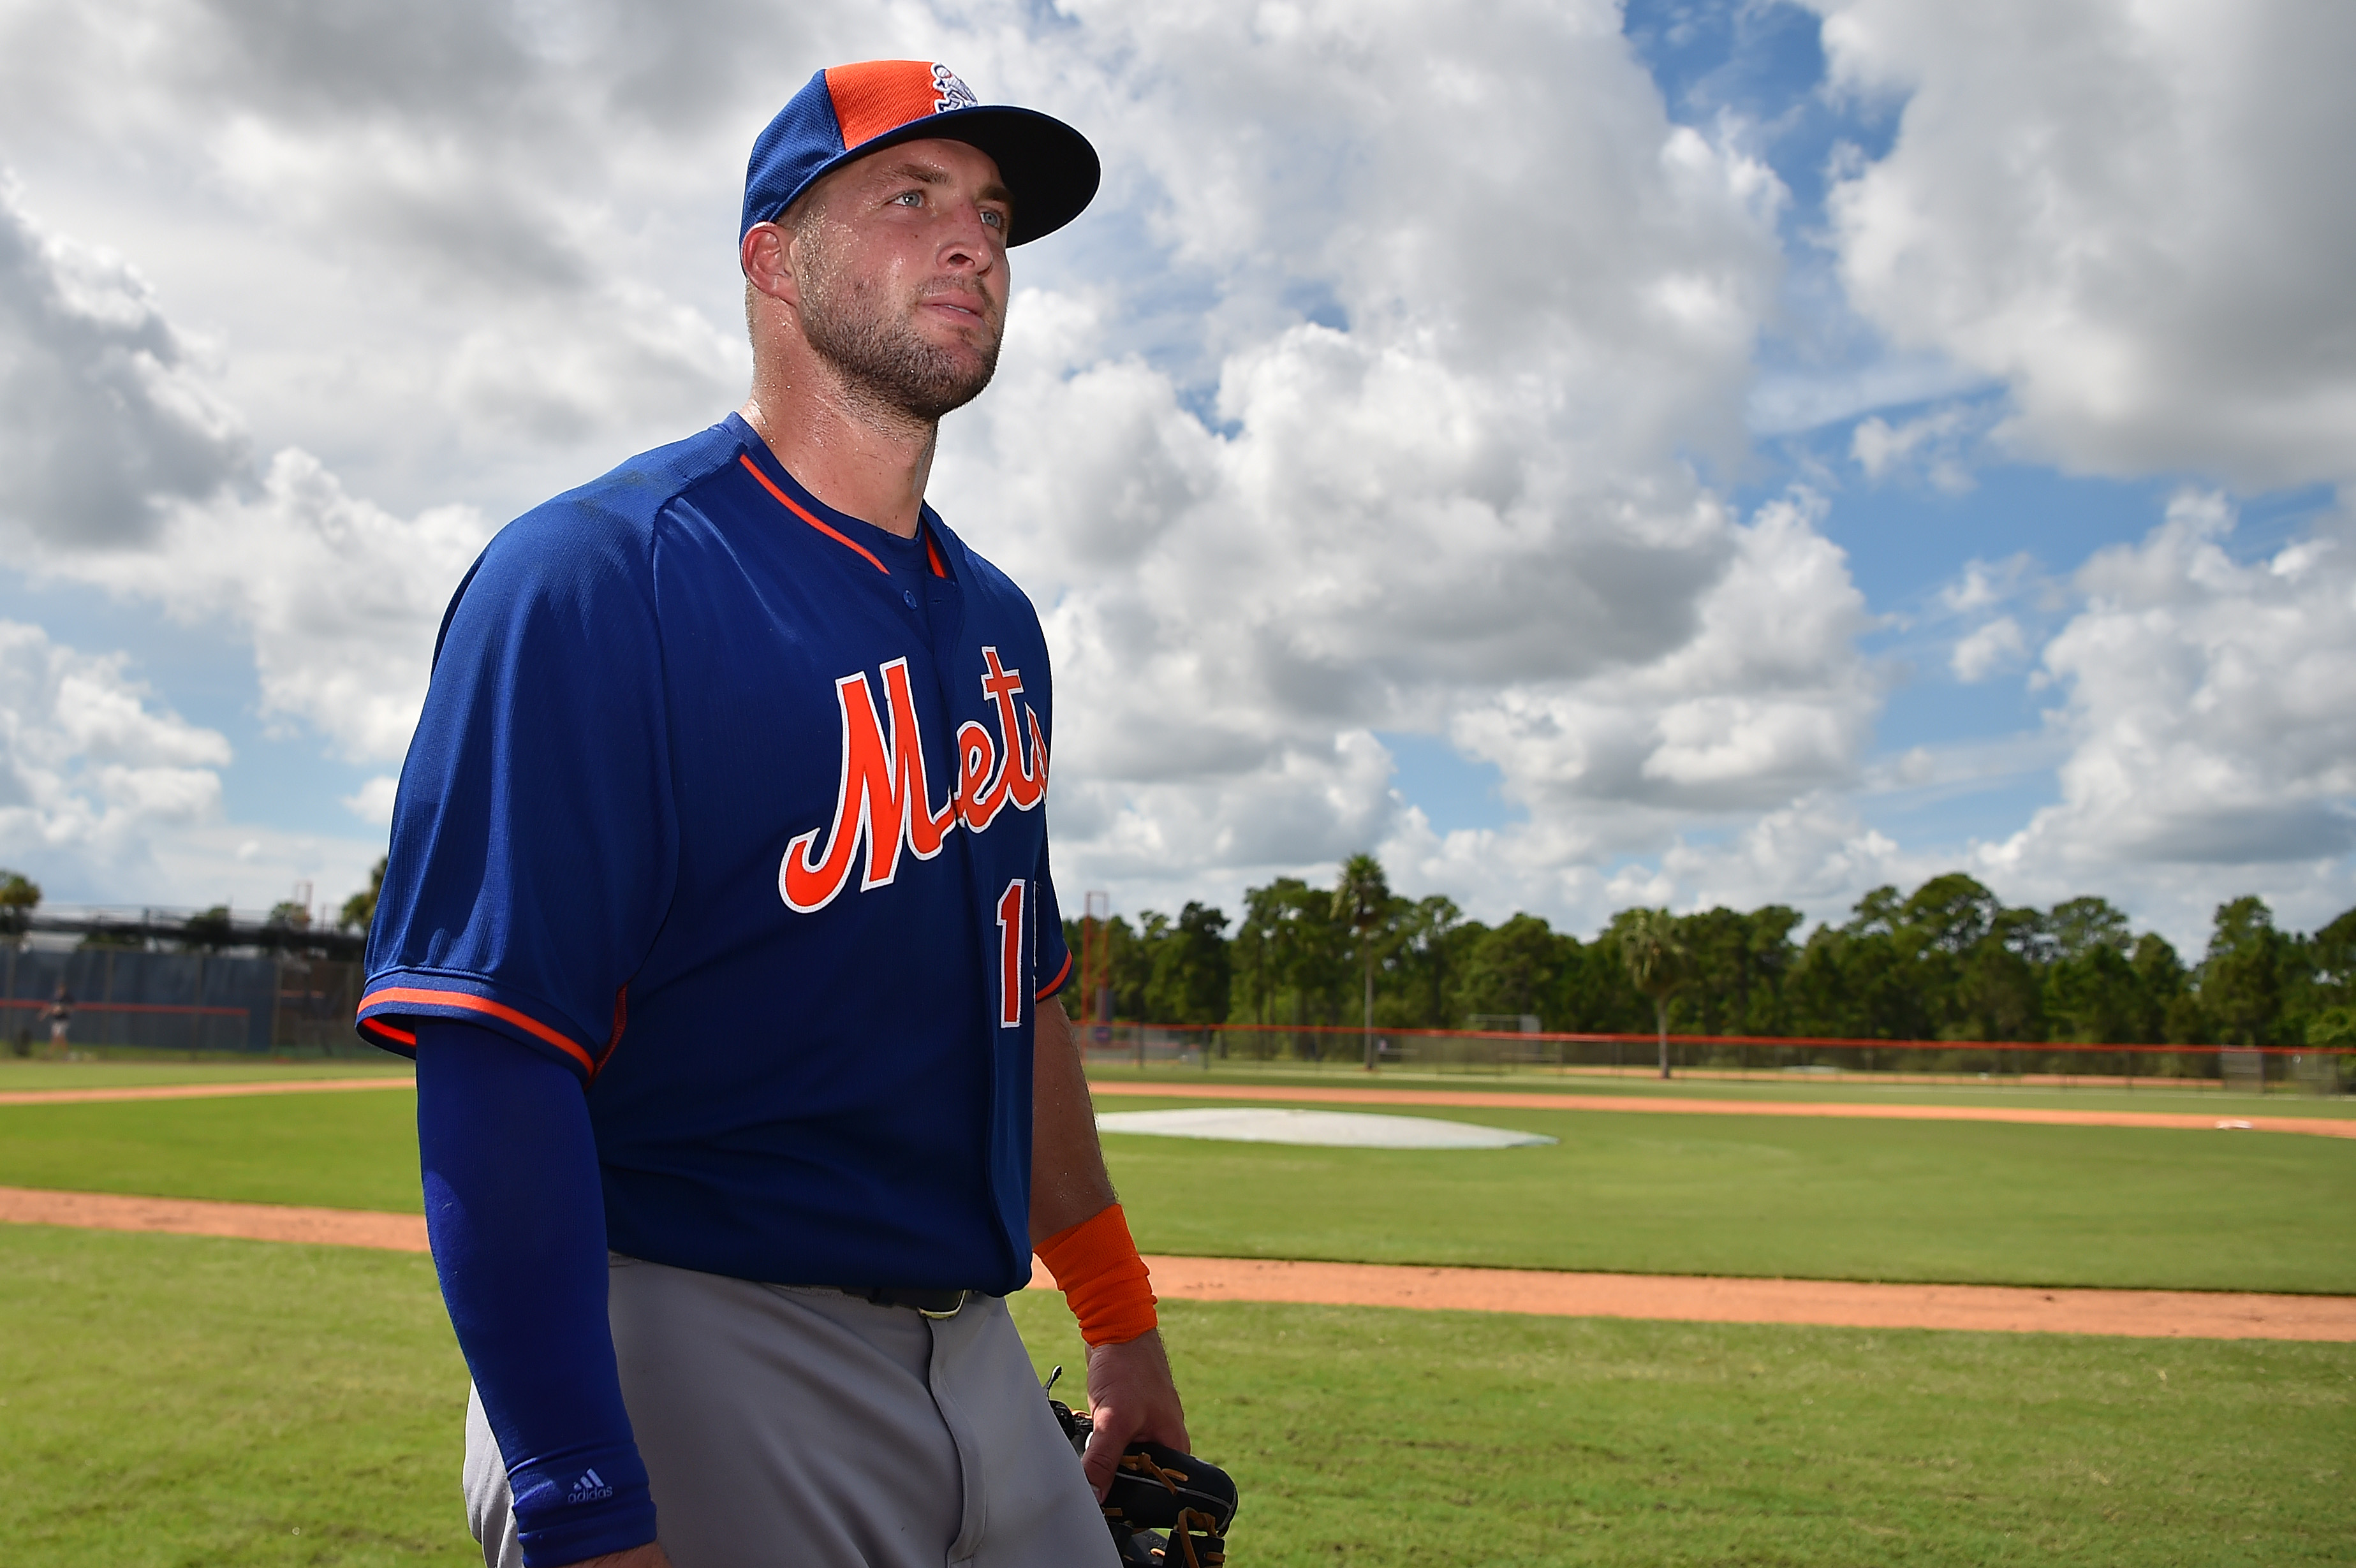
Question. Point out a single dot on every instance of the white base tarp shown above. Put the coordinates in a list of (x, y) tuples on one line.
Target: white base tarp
[(1331, 1129)]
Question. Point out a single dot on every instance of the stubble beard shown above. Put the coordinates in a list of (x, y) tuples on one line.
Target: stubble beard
[(883, 359)]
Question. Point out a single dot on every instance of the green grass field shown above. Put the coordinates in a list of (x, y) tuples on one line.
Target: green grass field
[(181, 1402), (175, 1402), (1849, 1199), (1369, 1436), (1960, 1202), (186, 1402), (343, 1151)]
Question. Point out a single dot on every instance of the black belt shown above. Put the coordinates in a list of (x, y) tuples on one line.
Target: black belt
[(931, 1303)]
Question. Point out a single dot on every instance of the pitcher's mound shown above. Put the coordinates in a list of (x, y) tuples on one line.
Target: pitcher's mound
[(1337, 1129)]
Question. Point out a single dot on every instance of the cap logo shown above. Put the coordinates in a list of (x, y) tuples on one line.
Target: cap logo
[(949, 92)]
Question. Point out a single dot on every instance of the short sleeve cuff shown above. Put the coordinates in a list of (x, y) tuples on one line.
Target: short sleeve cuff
[(396, 996), (1049, 984)]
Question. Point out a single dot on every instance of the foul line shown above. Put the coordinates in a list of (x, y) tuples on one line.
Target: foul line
[(2139, 1314), (200, 1091), (1839, 1303), (1495, 1100)]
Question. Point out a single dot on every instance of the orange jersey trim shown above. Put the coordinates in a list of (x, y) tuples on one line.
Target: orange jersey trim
[(1050, 988), (500, 1010), (837, 535), (933, 554), (621, 1022)]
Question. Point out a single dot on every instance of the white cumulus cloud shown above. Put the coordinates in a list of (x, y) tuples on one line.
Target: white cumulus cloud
[(1391, 385), (92, 768), (372, 802), (2211, 702), (109, 413), (2136, 215), (1323, 425), (1454, 500), (1933, 442), (1986, 649), (338, 596)]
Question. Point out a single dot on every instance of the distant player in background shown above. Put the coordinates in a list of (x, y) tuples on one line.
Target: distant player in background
[(718, 918), (60, 1017)]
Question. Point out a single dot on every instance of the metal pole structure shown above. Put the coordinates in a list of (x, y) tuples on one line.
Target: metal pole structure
[(1096, 970), (1097, 942)]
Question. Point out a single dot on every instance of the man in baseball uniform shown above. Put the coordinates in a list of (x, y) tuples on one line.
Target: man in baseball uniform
[(719, 922)]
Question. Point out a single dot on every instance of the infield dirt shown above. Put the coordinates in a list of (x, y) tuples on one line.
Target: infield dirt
[(200, 1091), (2139, 1314)]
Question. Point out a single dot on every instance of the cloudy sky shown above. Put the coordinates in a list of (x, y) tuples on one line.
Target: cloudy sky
[(1707, 450)]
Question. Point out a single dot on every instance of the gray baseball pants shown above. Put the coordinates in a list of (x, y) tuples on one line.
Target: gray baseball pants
[(787, 1424)]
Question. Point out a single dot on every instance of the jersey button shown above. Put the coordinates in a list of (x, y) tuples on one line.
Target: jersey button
[(910, 595)]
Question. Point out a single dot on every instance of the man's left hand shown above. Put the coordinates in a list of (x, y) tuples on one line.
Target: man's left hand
[(1130, 1396)]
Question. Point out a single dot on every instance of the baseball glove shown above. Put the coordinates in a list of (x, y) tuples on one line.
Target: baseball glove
[(1166, 1509)]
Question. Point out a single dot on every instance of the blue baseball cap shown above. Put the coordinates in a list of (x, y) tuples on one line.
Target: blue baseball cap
[(847, 111)]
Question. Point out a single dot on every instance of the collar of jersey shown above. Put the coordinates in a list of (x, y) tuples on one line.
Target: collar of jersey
[(757, 459)]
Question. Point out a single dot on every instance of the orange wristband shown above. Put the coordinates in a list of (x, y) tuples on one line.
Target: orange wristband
[(1103, 1280)]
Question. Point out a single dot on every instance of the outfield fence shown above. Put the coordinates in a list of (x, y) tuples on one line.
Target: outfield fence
[(194, 1003), (145, 1026), (2328, 1070), (205, 1004)]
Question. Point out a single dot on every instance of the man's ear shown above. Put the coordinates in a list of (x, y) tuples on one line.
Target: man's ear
[(766, 255)]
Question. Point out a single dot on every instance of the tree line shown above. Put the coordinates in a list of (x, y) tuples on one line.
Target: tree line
[(287, 928), (1949, 961)]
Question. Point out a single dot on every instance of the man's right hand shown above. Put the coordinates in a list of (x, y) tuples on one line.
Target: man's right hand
[(650, 1556), (1130, 1396)]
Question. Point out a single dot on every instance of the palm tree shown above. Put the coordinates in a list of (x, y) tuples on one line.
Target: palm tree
[(359, 910), (1362, 897), (19, 896), (1657, 963)]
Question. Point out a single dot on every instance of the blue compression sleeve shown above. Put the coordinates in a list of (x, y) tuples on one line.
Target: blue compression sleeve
[(518, 1224)]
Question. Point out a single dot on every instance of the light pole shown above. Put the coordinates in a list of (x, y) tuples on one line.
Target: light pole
[(1095, 959)]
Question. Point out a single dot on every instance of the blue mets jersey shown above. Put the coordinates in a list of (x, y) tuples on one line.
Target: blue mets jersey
[(734, 803)]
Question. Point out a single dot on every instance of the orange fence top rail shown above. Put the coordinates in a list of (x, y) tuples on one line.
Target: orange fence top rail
[(184, 1009), (2046, 1047)]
